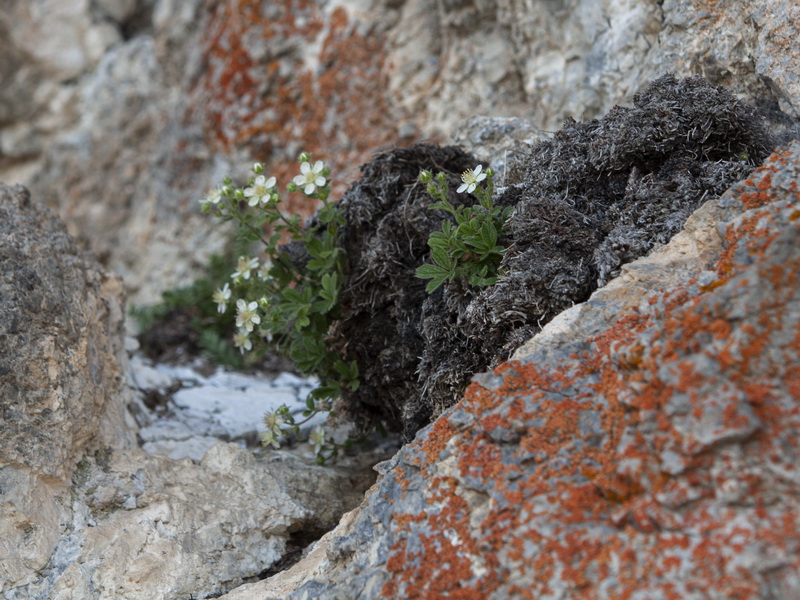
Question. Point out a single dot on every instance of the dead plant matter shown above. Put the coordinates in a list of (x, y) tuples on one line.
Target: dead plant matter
[(596, 196)]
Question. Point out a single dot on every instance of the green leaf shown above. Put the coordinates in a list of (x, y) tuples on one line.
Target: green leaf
[(314, 247), (488, 234), (439, 239), (427, 271), (443, 205), (434, 284), (442, 258)]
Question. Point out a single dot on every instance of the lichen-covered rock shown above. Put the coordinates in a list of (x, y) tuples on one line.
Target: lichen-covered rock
[(657, 458)]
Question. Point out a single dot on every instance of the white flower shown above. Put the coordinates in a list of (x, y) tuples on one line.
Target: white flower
[(274, 422), (213, 196), (221, 297), (317, 438), (268, 438), (471, 179), (259, 190), (242, 341), (247, 315), (311, 177), (263, 271), (244, 266)]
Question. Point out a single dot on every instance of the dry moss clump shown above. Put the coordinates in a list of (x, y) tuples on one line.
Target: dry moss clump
[(596, 196)]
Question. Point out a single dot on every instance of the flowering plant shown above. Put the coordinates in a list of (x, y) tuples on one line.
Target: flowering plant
[(467, 248), (288, 298)]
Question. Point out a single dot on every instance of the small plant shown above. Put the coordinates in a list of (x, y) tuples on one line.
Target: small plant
[(467, 248), (210, 327), (290, 298)]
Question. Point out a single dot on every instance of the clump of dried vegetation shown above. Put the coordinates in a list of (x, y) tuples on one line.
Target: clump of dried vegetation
[(598, 195)]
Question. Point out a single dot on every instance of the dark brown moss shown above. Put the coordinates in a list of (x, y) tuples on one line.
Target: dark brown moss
[(596, 196)]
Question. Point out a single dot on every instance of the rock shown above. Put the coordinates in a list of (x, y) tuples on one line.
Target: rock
[(656, 457), (192, 412), (61, 319), (201, 94), (85, 512)]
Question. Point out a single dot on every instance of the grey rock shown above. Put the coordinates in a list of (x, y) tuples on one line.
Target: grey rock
[(61, 322)]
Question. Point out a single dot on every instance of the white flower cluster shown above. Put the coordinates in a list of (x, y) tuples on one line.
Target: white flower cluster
[(247, 313), (278, 424), (257, 318), (275, 424)]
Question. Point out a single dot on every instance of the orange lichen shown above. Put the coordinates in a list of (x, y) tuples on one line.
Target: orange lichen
[(440, 434), (260, 92)]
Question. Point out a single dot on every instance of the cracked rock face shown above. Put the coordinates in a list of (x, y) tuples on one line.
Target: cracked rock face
[(644, 444)]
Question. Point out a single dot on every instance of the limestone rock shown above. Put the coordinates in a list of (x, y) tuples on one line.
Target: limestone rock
[(144, 526), (656, 457), (61, 319)]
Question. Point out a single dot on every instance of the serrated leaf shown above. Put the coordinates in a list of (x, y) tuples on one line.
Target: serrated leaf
[(488, 234), (322, 306), (438, 239), (442, 258), (427, 271), (434, 284)]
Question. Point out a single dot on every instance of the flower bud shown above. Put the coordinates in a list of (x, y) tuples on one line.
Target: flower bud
[(489, 172), (425, 176), (441, 178), (258, 168), (304, 157)]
